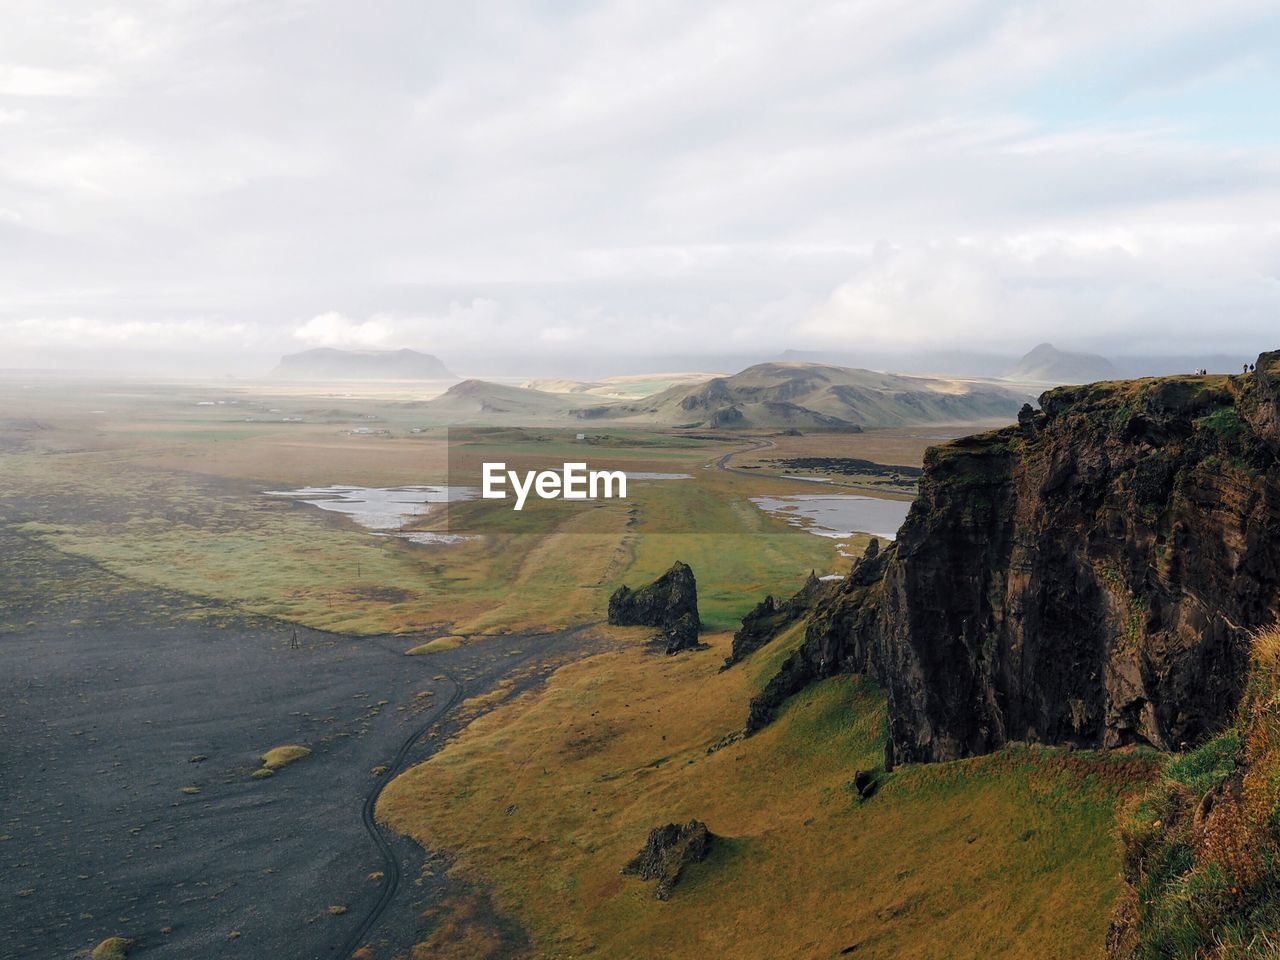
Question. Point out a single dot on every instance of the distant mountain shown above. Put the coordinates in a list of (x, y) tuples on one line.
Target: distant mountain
[(772, 395), (768, 396), (1047, 364), (325, 363)]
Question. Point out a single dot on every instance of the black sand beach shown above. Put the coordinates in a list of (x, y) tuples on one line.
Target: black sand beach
[(130, 724)]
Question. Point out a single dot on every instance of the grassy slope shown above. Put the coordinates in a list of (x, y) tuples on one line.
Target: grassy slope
[(547, 797), (1202, 846)]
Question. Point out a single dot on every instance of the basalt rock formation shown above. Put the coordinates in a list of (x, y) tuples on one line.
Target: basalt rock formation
[(667, 852), (843, 628), (670, 602), (769, 617), (1087, 577)]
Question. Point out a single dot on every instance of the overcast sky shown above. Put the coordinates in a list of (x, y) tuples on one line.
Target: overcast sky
[(224, 181)]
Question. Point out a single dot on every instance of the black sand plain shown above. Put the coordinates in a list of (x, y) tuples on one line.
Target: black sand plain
[(118, 703)]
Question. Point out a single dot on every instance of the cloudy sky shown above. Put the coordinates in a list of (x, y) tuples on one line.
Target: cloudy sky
[(217, 181)]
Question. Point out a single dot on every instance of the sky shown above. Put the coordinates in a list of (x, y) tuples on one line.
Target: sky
[(205, 185)]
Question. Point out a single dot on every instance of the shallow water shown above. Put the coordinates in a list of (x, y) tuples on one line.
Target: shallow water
[(384, 508), (838, 515)]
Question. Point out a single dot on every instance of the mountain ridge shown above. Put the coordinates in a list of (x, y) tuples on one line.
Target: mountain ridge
[(1045, 363), (330, 363)]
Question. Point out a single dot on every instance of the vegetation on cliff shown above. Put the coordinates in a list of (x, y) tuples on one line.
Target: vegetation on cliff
[(1201, 847)]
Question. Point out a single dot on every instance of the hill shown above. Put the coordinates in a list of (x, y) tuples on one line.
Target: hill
[(485, 400), (325, 363), (1045, 363), (768, 396), (818, 396), (629, 387)]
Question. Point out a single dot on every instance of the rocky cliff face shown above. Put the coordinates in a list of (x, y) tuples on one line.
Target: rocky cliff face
[(769, 617), (1087, 577)]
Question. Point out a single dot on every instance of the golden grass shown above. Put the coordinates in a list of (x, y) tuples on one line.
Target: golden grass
[(461, 930), (112, 948), (546, 797), (436, 646), (282, 756)]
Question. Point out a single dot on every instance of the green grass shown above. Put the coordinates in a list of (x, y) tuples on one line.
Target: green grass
[(542, 568), (544, 799), (1200, 848)]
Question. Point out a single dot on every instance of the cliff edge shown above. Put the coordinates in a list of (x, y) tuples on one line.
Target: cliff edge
[(1088, 576)]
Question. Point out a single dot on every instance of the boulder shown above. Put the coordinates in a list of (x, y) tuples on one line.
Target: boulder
[(667, 852)]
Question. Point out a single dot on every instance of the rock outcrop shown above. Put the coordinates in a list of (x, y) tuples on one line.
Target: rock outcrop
[(667, 852), (1088, 577), (842, 631), (670, 603), (770, 617)]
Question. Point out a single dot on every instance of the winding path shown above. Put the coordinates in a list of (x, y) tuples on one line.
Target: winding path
[(756, 444), (391, 864)]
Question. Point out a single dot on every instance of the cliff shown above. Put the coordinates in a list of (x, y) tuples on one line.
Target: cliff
[(1088, 576), (324, 363)]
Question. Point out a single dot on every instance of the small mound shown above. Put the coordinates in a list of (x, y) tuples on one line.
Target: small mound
[(436, 646), (278, 757), (112, 948)]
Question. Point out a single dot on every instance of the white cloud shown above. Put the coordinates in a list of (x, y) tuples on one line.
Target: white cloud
[(332, 329), (656, 176), (17, 80), (1139, 289)]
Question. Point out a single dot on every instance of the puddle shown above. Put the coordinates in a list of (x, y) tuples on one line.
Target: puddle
[(383, 509), (836, 515)]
